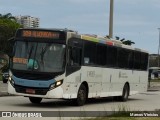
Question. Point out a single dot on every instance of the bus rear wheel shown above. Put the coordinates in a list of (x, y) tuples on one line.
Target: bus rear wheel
[(125, 93), (35, 100), (81, 96)]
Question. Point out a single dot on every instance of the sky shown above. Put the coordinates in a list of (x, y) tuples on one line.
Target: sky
[(136, 20)]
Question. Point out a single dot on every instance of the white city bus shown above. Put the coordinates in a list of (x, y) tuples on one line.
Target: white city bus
[(60, 63)]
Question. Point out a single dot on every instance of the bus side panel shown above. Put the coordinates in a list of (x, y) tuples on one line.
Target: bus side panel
[(116, 80), (71, 85), (138, 82), (106, 83), (93, 76)]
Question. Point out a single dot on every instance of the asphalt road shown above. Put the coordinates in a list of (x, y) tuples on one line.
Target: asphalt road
[(147, 101), (154, 86), (3, 89)]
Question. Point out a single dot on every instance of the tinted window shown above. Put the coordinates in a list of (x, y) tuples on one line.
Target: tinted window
[(130, 59), (123, 58), (101, 54), (144, 61), (111, 56), (75, 56), (89, 52), (137, 60)]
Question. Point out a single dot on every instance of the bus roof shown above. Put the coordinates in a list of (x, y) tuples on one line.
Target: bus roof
[(93, 38), (51, 29), (104, 40)]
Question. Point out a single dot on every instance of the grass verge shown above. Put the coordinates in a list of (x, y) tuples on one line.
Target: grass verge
[(155, 80), (124, 113), (126, 118)]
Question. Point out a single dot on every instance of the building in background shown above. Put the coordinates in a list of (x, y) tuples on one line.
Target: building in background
[(28, 21), (153, 60), (154, 69)]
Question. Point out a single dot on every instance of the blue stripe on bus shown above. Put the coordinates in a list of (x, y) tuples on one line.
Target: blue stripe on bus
[(33, 83), (102, 41)]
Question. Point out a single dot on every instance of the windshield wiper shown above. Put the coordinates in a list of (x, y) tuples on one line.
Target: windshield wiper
[(44, 51), (32, 63), (30, 52)]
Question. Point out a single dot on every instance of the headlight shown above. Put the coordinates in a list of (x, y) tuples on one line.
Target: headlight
[(10, 73), (56, 84), (11, 81), (9, 78)]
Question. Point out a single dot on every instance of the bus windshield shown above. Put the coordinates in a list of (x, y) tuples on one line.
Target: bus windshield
[(39, 56)]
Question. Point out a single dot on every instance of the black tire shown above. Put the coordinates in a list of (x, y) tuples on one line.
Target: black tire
[(81, 96), (4, 80), (125, 93), (35, 100)]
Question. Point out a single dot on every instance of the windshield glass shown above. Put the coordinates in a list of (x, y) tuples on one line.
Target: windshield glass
[(41, 57)]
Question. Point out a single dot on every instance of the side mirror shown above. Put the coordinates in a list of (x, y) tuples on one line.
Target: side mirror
[(10, 54), (11, 44)]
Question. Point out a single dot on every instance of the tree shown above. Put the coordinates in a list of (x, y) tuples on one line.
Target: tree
[(107, 36), (126, 42), (8, 27), (7, 16)]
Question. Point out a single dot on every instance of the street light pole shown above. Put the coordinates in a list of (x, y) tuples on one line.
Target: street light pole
[(158, 47), (111, 19)]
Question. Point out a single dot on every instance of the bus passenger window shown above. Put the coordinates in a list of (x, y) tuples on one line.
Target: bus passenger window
[(86, 60), (90, 53)]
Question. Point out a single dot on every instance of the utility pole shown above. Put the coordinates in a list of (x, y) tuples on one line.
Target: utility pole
[(111, 19), (158, 47)]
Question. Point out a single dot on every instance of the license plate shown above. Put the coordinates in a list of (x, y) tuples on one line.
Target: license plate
[(31, 91)]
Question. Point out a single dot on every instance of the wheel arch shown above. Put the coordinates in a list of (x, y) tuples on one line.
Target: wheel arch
[(86, 85)]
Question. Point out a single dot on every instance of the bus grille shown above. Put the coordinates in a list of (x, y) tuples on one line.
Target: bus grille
[(32, 76), (38, 91)]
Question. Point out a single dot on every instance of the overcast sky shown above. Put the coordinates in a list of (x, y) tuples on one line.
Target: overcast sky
[(136, 20)]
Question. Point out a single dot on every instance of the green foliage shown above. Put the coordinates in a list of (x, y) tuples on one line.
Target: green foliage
[(153, 62), (4, 62), (8, 27), (124, 118), (155, 80), (126, 42), (0, 76)]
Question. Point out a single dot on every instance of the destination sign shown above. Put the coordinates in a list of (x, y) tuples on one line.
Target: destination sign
[(40, 34), (20, 60)]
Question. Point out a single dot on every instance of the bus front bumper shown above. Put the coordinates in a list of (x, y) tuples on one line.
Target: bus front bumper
[(54, 93)]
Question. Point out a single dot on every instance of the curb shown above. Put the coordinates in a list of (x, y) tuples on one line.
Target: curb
[(152, 89), (4, 94)]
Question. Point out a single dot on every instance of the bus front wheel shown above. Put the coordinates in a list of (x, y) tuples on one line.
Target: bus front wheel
[(35, 100), (81, 96)]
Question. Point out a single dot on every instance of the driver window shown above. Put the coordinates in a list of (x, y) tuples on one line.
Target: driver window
[(74, 56)]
